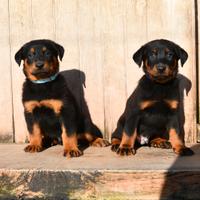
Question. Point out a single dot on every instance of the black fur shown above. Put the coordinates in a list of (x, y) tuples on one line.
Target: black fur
[(54, 48)]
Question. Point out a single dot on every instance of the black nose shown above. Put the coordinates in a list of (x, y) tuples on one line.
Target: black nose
[(161, 67), (39, 64)]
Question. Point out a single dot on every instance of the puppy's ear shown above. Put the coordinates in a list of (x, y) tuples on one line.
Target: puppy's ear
[(60, 50), (138, 56), (19, 56), (182, 54)]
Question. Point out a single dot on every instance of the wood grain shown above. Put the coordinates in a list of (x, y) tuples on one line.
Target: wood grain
[(20, 32), (6, 123), (99, 38)]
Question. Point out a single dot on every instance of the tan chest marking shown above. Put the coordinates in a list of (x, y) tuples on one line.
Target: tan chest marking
[(56, 105), (53, 104), (30, 105), (173, 104), (146, 104)]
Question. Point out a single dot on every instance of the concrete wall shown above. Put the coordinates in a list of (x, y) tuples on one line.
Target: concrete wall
[(99, 37)]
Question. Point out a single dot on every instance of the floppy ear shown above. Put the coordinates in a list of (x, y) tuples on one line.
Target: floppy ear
[(182, 54), (138, 56), (19, 56), (60, 50)]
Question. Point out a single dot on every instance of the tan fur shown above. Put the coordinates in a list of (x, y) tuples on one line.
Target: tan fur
[(146, 104), (30, 105), (173, 104), (176, 142), (53, 104), (70, 144), (115, 141), (128, 141), (36, 136)]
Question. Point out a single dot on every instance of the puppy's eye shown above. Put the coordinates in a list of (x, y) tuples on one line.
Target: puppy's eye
[(47, 53), (154, 54), (31, 55), (170, 55)]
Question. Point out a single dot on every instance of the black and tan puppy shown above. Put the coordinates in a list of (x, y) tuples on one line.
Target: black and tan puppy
[(51, 111), (151, 113)]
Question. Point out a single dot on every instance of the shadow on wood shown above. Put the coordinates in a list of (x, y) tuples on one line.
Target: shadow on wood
[(184, 85), (180, 183)]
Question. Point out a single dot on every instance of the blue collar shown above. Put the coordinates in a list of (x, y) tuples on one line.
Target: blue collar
[(46, 80)]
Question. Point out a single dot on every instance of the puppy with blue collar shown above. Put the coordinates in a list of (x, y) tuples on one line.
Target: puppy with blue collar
[(51, 112)]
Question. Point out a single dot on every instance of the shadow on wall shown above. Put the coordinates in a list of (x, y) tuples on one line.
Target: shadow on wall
[(184, 85), (182, 181), (75, 80)]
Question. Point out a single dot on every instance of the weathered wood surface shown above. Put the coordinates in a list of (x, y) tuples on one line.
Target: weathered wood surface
[(6, 129), (151, 174), (99, 37), (99, 185)]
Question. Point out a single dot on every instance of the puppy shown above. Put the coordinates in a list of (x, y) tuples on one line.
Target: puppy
[(151, 113), (51, 111)]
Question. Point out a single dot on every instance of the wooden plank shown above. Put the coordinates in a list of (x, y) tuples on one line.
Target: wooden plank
[(184, 31), (27, 23), (6, 112), (176, 21), (114, 73), (151, 174), (135, 27), (91, 61), (67, 36), (20, 32), (100, 38), (43, 19), (197, 7), (66, 32)]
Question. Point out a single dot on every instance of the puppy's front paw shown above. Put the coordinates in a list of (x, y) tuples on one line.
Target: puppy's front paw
[(115, 144), (72, 153), (125, 151), (160, 143), (100, 142), (33, 148), (115, 147)]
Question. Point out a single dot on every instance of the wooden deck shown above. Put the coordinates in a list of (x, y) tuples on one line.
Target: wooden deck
[(152, 174)]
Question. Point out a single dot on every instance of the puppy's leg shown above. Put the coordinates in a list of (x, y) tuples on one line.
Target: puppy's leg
[(70, 143), (35, 140), (175, 140), (126, 146), (129, 136), (117, 134), (69, 133)]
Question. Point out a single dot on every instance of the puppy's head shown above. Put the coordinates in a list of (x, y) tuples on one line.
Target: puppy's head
[(160, 59), (40, 58)]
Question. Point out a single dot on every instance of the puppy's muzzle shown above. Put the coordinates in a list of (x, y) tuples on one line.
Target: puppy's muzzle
[(39, 64), (161, 67)]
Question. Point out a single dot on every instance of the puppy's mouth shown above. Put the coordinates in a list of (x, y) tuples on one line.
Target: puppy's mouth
[(161, 78), (41, 74)]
